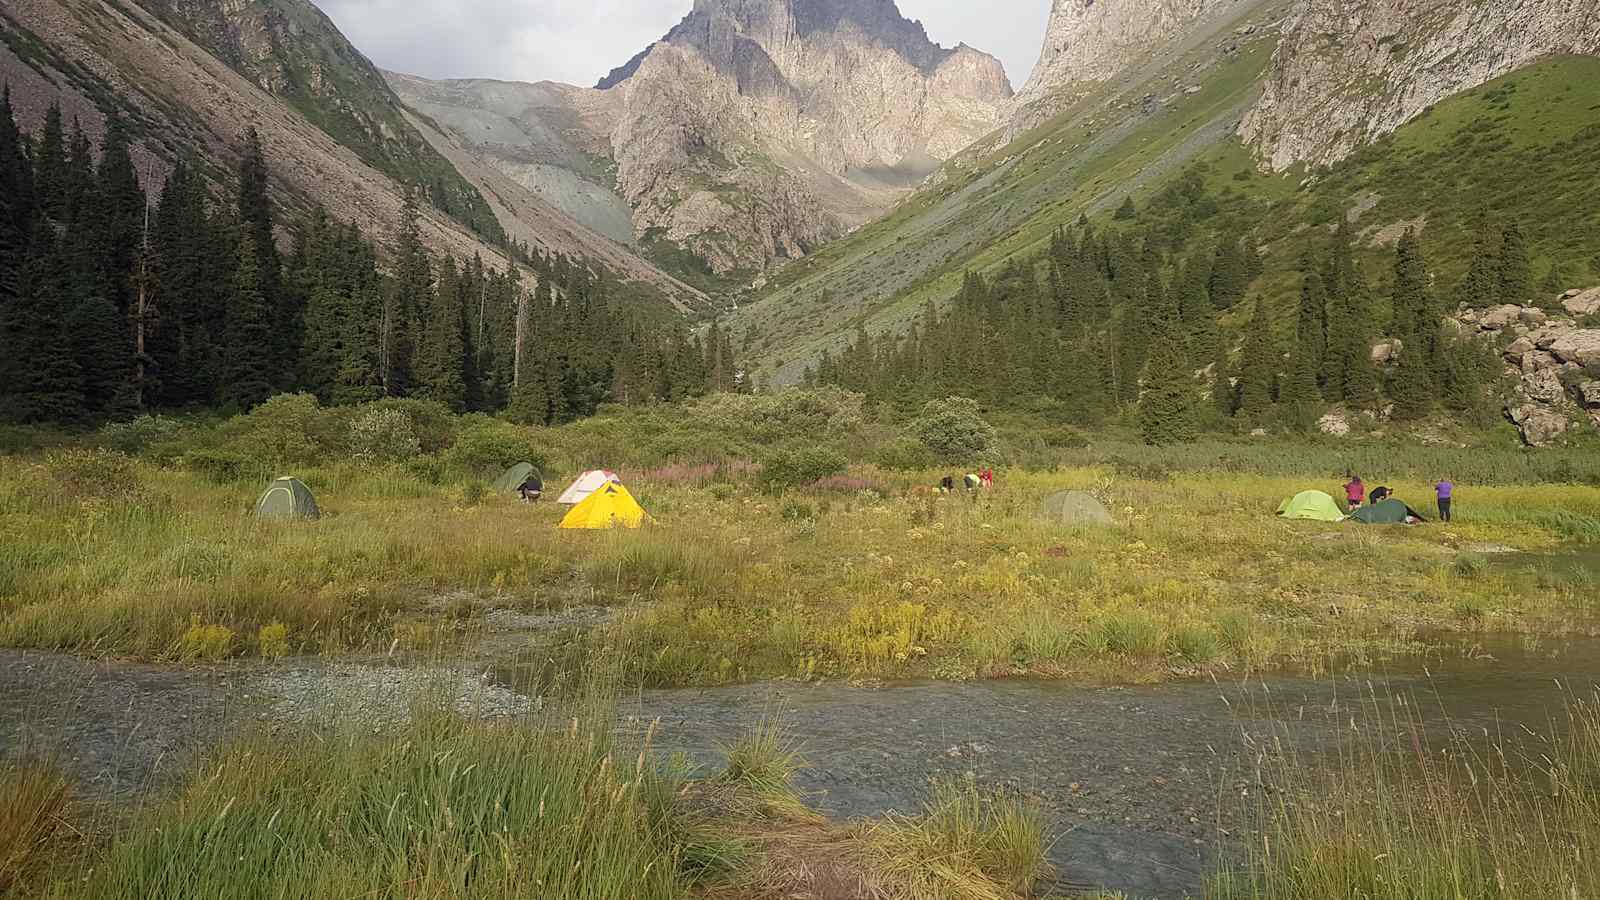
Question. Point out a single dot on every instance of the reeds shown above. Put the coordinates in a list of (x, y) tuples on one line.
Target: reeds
[(1498, 818), (33, 799)]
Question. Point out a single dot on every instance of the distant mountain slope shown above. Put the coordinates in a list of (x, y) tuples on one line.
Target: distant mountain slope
[(289, 49), (754, 131), (99, 56), (1223, 90), (1350, 71), (1001, 197)]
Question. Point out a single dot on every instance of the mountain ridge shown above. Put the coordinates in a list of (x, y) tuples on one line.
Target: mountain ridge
[(751, 132)]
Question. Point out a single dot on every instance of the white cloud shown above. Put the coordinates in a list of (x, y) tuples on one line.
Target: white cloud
[(578, 41)]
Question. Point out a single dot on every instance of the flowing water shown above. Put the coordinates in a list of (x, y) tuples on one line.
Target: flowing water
[(1145, 787)]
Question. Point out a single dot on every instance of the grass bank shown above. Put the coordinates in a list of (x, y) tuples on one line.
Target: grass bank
[(553, 806), (138, 542), (1399, 818), (864, 576)]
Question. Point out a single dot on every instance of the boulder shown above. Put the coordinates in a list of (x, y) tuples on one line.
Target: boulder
[(1533, 318), (1539, 426), (1335, 424), (1569, 294), (1520, 347), (1545, 338), (1538, 361), (1384, 352), (1500, 317), (1543, 386), (1582, 303), (1587, 393), (1581, 346)]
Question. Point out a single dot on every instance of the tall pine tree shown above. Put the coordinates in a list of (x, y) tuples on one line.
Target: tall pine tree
[(248, 366)]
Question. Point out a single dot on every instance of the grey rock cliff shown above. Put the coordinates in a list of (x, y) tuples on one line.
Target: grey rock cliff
[(753, 131), (1092, 40), (1351, 71)]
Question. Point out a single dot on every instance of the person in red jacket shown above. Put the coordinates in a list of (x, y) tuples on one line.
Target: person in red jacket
[(1355, 492)]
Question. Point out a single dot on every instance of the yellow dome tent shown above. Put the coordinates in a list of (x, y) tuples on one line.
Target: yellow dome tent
[(608, 507)]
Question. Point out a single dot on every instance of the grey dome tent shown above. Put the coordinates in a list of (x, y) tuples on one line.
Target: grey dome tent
[(1075, 508), (287, 499), (512, 478)]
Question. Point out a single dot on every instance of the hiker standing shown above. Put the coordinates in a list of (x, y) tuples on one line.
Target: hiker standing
[(1355, 492), (1446, 491)]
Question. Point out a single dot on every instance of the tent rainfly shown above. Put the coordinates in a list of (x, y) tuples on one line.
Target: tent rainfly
[(1388, 512), (1075, 508), (1316, 506), (287, 499), (512, 478), (609, 507), (587, 484)]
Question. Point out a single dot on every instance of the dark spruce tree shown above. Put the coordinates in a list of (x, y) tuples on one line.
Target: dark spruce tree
[(248, 362), (1258, 370), (1516, 274)]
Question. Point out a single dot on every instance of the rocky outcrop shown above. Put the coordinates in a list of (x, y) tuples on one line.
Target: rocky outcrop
[(1351, 71), (1555, 365), (755, 130), (1089, 41)]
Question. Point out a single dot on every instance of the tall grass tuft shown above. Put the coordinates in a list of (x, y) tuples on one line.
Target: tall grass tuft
[(764, 762), (967, 844), (446, 808), (1399, 820), (32, 801)]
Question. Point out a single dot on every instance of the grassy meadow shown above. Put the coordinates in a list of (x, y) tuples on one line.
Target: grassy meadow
[(794, 536), (863, 574)]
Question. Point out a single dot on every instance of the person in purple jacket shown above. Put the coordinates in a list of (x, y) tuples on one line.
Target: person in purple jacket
[(1446, 490)]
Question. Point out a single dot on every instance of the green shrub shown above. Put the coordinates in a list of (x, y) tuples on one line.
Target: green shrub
[(273, 641), (795, 511), (905, 455), (954, 430), (488, 446), (1062, 437), (431, 421), (801, 466), (289, 428), (383, 436), (1470, 565), (134, 436), (225, 466), (768, 418)]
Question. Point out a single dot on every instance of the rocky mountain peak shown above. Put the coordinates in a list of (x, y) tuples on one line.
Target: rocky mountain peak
[(1092, 40)]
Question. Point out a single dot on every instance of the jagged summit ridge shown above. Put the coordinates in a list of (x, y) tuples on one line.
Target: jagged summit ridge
[(755, 130)]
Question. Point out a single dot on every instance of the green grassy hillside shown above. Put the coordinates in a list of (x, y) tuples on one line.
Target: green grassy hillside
[(1523, 148), (294, 52)]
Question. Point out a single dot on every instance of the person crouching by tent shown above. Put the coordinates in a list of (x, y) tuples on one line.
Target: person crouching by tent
[(1445, 490), (531, 489), (1381, 494), (948, 485), (1355, 492), (987, 477)]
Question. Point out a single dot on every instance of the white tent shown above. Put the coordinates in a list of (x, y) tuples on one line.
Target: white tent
[(587, 483)]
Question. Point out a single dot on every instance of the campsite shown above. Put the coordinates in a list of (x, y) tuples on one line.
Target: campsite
[(764, 572)]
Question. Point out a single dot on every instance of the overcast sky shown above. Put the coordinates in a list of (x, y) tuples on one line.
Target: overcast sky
[(578, 41)]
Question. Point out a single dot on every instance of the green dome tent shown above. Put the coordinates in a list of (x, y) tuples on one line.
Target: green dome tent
[(1389, 512), (1074, 508), (512, 478), (1315, 506), (287, 499)]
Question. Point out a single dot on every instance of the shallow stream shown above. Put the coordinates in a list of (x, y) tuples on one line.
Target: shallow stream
[(1142, 785)]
